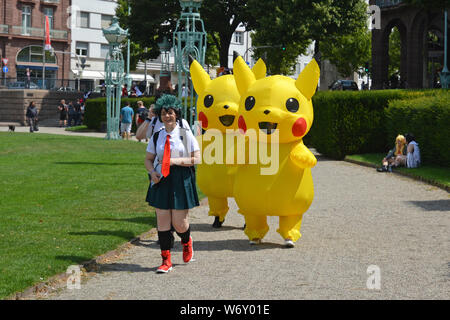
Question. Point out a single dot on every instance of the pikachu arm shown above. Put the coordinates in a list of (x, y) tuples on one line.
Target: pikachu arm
[(302, 156)]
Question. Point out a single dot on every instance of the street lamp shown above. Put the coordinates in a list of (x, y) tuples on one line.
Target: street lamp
[(114, 66), (189, 40), (445, 74), (164, 76)]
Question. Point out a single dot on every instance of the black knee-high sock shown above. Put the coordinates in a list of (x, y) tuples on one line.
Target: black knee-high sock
[(185, 235), (164, 239)]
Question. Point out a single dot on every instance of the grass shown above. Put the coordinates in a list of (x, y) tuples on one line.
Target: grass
[(65, 200), (431, 173)]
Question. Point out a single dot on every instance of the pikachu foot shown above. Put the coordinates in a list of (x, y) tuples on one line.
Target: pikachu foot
[(288, 243), (217, 223), (255, 241)]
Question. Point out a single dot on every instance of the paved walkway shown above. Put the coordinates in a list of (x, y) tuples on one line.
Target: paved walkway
[(352, 224), (55, 130)]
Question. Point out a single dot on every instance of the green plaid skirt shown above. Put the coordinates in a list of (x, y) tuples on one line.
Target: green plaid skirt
[(176, 191)]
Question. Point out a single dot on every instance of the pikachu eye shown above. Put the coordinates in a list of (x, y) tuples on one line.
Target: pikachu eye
[(249, 103), (208, 101), (292, 105)]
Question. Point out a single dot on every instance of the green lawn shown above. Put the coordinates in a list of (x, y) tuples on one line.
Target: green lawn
[(432, 173), (65, 200)]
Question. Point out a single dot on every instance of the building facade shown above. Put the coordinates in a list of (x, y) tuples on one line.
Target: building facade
[(22, 41), (422, 45)]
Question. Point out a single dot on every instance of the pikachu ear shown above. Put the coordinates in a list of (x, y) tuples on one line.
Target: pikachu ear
[(259, 69), (243, 75), (308, 79), (200, 78)]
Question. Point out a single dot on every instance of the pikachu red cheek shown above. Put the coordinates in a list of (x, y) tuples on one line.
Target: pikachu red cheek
[(299, 127), (203, 119), (242, 125)]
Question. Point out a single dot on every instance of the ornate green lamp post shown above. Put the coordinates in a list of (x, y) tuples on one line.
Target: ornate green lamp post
[(114, 66), (164, 76), (189, 39), (445, 74)]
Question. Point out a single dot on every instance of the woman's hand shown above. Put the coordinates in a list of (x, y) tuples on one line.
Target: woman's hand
[(156, 177)]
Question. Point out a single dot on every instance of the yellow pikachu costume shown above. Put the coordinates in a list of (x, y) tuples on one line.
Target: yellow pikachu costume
[(267, 105), (217, 108)]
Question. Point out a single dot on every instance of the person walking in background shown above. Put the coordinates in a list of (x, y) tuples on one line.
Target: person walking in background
[(83, 106), (172, 191), (141, 115), (124, 91), (71, 112), (62, 109), (77, 117), (32, 116), (126, 119)]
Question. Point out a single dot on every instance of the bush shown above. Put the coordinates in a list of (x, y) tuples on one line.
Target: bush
[(428, 118), (352, 122), (95, 112)]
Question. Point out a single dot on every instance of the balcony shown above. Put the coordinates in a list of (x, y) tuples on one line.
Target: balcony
[(4, 28), (38, 32), (50, 2), (388, 3)]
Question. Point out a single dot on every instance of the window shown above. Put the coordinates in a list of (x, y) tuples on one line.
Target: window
[(26, 20), (104, 50), (34, 54), (83, 19), (239, 37), (49, 13), (81, 48), (106, 21)]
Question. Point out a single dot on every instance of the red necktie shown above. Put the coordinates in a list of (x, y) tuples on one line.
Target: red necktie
[(165, 169)]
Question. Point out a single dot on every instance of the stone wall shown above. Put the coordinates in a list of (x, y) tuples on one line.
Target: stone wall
[(14, 103)]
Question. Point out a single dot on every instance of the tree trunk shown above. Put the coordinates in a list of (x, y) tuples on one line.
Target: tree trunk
[(225, 41)]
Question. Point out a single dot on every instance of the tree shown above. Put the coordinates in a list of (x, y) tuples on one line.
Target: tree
[(349, 52), (297, 23), (151, 20), (395, 44)]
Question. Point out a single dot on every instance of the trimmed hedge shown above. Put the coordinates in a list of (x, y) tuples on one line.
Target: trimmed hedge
[(348, 123), (95, 112), (428, 118), (352, 122)]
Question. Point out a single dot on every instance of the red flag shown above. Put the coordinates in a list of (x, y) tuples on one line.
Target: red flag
[(48, 45)]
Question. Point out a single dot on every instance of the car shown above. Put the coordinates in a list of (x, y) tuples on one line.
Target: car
[(22, 85), (344, 85), (66, 89)]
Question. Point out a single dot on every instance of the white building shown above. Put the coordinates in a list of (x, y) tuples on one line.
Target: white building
[(88, 19)]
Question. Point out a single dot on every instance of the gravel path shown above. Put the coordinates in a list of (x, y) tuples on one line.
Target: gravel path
[(352, 224)]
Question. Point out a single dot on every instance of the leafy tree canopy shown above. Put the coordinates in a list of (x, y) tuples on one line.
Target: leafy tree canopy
[(296, 23), (151, 20)]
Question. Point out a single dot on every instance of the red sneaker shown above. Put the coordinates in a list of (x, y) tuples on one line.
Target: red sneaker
[(166, 262), (188, 252)]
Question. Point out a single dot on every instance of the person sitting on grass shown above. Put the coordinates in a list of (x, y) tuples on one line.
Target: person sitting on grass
[(396, 156), (413, 152)]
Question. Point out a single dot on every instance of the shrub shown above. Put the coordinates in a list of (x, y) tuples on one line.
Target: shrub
[(428, 118), (352, 122), (95, 112)]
